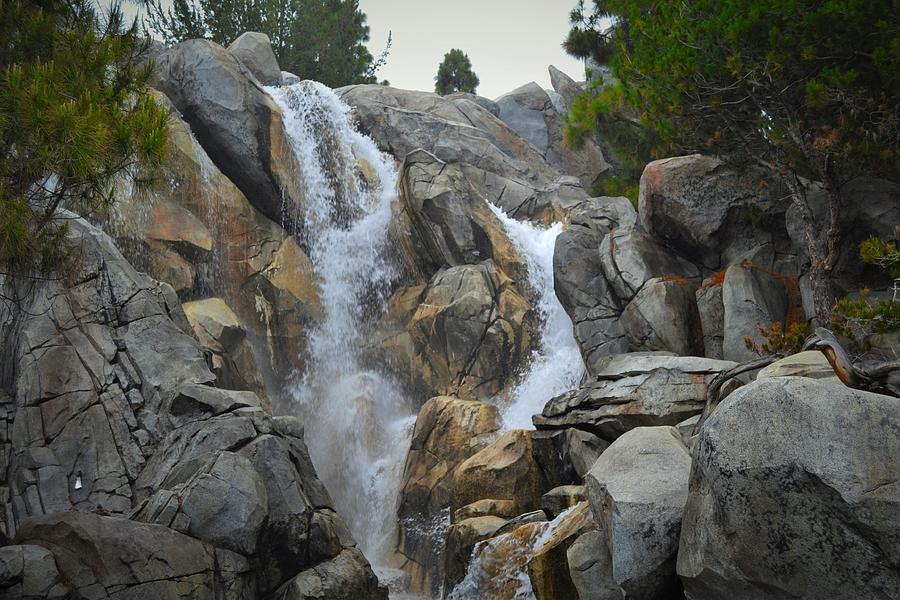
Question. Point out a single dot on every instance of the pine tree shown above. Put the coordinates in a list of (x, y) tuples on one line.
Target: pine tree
[(805, 87), (74, 114), (455, 74)]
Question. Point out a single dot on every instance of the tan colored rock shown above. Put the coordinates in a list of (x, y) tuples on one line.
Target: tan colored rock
[(173, 223), (536, 551), (252, 264), (548, 568), (487, 507), (505, 470), (471, 332), (448, 430), (811, 364), (169, 266), (220, 330)]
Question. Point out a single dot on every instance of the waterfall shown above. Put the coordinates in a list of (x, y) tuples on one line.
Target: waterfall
[(358, 422), (556, 365)]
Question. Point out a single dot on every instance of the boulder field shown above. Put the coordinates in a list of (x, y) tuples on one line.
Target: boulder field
[(151, 446)]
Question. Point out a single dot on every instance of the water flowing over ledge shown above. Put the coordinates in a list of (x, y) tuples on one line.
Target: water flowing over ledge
[(556, 365), (362, 423)]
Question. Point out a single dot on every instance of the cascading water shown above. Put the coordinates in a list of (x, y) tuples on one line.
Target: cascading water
[(556, 364), (359, 423)]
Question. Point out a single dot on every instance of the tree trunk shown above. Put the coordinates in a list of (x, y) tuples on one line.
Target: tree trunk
[(822, 245)]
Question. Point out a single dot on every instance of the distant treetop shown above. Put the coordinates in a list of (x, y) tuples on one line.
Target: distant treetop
[(455, 74)]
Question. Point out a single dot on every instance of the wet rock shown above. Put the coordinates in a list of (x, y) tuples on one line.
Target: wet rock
[(448, 431), (637, 492), (456, 226), (470, 332), (237, 122), (487, 507), (501, 166), (560, 498), (461, 540), (505, 469), (254, 51), (335, 579), (794, 494), (638, 390)]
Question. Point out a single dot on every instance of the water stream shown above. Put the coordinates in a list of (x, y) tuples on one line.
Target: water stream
[(359, 422), (556, 365)]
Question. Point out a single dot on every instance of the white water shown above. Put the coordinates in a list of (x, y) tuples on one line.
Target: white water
[(359, 425), (556, 364)]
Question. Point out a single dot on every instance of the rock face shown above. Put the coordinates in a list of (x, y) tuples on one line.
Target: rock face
[(794, 494), (531, 113), (637, 491), (636, 390), (448, 431), (505, 469), (235, 120), (709, 211), (470, 331), (255, 52), (236, 254), (500, 166), (217, 327), (579, 281), (112, 412)]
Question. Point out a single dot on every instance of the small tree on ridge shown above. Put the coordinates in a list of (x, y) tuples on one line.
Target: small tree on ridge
[(455, 74)]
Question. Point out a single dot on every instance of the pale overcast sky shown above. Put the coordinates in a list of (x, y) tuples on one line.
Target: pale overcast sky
[(510, 42)]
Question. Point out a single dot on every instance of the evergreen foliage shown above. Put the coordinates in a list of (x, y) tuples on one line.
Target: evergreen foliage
[(74, 114), (322, 40), (806, 87), (455, 74)]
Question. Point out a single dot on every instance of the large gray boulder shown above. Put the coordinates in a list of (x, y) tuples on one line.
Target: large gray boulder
[(501, 166), (663, 315), (640, 390), (532, 113), (112, 557), (632, 257), (753, 296), (254, 50), (794, 494), (235, 120), (637, 490), (579, 281), (710, 212), (30, 572)]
